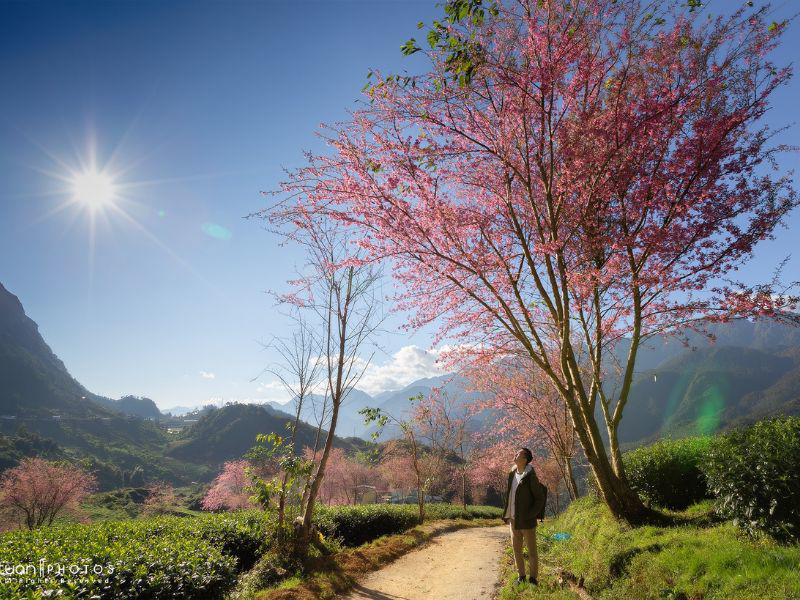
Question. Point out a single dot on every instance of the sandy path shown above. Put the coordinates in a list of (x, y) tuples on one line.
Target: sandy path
[(460, 565)]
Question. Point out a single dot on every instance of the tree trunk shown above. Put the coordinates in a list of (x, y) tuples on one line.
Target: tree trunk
[(623, 502), (615, 491), (572, 487), (318, 476), (464, 489)]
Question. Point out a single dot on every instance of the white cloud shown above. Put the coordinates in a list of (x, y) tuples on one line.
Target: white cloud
[(207, 375), (406, 366), (273, 391)]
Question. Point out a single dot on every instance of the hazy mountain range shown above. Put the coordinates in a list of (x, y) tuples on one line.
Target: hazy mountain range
[(752, 371), (45, 411)]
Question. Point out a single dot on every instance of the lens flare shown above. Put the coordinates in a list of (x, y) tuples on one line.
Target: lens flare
[(218, 232)]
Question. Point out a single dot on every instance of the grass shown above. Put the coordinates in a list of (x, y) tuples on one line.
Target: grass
[(700, 559), (327, 576)]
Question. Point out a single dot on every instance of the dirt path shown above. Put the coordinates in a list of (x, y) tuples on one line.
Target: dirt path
[(461, 565)]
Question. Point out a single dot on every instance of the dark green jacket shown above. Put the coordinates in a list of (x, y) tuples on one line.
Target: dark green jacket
[(527, 503)]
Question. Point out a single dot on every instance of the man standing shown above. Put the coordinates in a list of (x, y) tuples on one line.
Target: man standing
[(524, 502)]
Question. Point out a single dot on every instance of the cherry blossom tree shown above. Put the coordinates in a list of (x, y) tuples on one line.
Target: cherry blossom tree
[(566, 178), (160, 499), (230, 489), (427, 463), (489, 470), (37, 491), (443, 424), (397, 468), (528, 410), (346, 478), (339, 292)]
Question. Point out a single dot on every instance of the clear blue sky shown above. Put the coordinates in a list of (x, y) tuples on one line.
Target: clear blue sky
[(202, 104)]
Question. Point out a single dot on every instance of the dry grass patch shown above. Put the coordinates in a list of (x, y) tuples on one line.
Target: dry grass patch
[(330, 575)]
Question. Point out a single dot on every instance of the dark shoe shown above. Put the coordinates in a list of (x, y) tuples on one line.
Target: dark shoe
[(532, 581), (520, 579)]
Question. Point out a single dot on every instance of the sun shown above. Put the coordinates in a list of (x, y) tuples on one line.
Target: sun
[(93, 189)]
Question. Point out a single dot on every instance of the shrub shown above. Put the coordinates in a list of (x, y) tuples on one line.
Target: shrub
[(356, 525), (755, 475), (164, 557), (668, 473), (184, 557)]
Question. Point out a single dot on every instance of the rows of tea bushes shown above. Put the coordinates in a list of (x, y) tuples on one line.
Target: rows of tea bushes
[(175, 557), (162, 557), (356, 525)]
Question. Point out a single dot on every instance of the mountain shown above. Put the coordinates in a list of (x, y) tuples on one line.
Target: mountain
[(34, 378), (132, 405), (229, 432), (349, 422), (394, 402), (751, 370), (44, 410)]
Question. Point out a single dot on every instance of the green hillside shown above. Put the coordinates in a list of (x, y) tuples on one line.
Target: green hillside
[(45, 411), (227, 433), (706, 390), (702, 558)]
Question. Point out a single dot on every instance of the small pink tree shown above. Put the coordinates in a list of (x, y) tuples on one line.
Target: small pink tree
[(230, 489), (346, 478), (160, 499), (397, 468), (489, 469), (37, 491), (528, 409)]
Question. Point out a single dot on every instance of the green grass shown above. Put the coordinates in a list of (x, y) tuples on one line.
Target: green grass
[(700, 559)]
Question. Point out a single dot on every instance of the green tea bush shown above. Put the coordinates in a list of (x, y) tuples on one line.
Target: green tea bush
[(180, 557), (163, 557), (356, 525), (668, 473), (755, 475)]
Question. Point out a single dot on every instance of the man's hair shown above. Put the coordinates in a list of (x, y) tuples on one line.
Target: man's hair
[(528, 453)]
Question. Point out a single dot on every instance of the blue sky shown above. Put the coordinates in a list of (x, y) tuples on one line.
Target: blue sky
[(201, 105)]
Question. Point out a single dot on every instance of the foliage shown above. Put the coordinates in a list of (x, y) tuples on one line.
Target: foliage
[(37, 491), (700, 559), (558, 202), (668, 473), (355, 525), (231, 488), (462, 53), (755, 475), (197, 556), (271, 568), (274, 455), (346, 478), (160, 500), (161, 557)]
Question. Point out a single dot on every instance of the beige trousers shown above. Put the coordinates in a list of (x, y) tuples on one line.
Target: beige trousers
[(529, 536)]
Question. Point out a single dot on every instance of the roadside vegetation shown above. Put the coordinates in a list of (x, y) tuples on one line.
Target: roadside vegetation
[(703, 558), (734, 534), (194, 556)]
